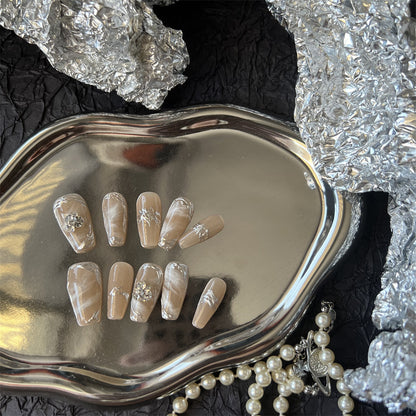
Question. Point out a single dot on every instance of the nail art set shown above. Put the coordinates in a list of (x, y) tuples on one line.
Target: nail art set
[(84, 280)]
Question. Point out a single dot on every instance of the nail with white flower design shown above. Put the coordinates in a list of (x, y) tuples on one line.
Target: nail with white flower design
[(146, 291), (202, 231), (209, 302), (149, 222)]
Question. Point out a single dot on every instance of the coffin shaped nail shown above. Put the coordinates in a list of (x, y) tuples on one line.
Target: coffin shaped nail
[(204, 229), (74, 219), (177, 219), (211, 298), (120, 282), (149, 222), (175, 283), (114, 208), (85, 289), (146, 290)]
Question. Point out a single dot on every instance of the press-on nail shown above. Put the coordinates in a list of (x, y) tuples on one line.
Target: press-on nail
[(85, 289), (120, 282), (174, 290), (146, 291), (204, 229), (114, 208), (74, 219), (177, 219), (211, 298), (149, 210)]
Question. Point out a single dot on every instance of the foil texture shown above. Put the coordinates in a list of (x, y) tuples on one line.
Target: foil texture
[(117, 45), (355, 110)]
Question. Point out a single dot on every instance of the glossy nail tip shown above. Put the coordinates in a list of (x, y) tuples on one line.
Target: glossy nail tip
[(149, 208), (74, 219), (209, 302), (174, 289), (177, 219), (84, 285), (120, 282), (146, 291), (202, 231), (114, 207)]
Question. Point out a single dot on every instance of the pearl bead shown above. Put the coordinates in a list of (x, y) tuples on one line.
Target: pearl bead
[(226, 377), (323, 320), (243, 372), (284, 390), (280, 404), (287, 352), (335, 371), (321, 338), (260, 367), (342, 387), (279, 376), (255, 391), (208, 382), (253, 407), (274, 363), (180, 405), (326, 356), (345, 404), (263, 379), (296, 385), (192, 391)]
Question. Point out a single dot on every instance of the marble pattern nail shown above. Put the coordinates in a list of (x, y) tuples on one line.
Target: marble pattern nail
[(120, 282), (177, 219), (84, 285), (74, 219), (202, 231), (174, 289), (114, 207), (149, 208), (146, 291)]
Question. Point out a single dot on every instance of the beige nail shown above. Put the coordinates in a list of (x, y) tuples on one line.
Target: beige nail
[(177, 219), (149, 210), (74, 219), (204, 229), (120, 282), (175, 284), (209, 301), (114, 209), (146, 291), (85, 289)]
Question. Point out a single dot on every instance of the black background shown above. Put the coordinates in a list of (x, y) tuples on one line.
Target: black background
[(239, 55)]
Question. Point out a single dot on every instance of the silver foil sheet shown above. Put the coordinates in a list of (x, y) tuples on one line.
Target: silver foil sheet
[(356, 112), (113, 44)]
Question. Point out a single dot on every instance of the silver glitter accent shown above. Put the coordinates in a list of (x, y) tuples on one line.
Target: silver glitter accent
[(201, 231), (142, 292), (316, 365), (148, 216), (73, 221), (117, 291), (116, 45), (355, 110), (209, 298)]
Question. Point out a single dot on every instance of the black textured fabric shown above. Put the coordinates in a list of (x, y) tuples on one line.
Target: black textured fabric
[(239, 55)]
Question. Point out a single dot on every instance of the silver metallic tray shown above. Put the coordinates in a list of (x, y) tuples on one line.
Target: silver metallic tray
[(284, 228)]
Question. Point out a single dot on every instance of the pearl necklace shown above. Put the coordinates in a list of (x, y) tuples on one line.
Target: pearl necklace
[(310, 357)]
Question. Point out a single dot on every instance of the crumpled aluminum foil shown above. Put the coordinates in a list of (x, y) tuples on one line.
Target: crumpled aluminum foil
[(113, 44), (356, 112)]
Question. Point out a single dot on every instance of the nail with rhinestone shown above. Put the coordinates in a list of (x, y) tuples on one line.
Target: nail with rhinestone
[(174, 290), (149, 208), (177, 219), (146, 290), (209, 302), (84, 285), (114, 209), (204, 229), (74, 219), (120, 282)]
